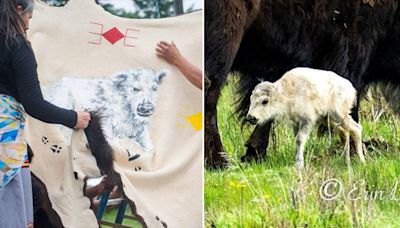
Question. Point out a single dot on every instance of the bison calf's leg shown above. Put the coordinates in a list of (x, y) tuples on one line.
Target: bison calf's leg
[(355, 130), (301, 139), (345, 140), (346, 137), (257, 143)]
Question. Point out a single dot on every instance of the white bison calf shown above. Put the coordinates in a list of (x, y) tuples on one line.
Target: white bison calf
[(305, 96)]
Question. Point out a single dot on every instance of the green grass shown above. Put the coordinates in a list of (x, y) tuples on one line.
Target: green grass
[(111, 213), (274, 194)]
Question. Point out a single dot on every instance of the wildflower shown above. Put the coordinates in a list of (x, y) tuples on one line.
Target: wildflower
[(237, 185)]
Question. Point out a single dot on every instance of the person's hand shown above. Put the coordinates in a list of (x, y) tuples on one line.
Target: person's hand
[(83, 120), (169, 52)]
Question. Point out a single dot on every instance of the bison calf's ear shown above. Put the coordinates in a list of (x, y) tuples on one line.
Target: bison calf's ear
[(161, 75), (268, 88)]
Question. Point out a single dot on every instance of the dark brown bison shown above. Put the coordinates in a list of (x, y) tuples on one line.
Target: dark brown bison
[(357, 39)]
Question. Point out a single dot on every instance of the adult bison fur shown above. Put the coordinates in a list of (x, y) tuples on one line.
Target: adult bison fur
[(44, 214), (357, 39)]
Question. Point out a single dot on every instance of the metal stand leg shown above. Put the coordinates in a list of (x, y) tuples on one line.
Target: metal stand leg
[(102, 205), (121, 212)]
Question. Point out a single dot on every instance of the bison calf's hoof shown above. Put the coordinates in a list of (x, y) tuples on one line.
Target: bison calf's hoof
[(299, 165), (254, 153)]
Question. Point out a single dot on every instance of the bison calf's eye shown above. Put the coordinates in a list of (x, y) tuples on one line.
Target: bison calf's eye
[(264, 102)]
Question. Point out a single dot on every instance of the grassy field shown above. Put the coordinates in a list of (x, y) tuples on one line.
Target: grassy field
[(111, 213), (274, 194)]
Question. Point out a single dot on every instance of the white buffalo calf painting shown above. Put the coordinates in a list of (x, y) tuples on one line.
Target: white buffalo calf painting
[(126, 101)]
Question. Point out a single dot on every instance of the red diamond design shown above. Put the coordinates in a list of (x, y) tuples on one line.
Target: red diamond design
[(113, 35)]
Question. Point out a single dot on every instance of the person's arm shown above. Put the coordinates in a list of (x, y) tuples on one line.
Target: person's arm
[(191, 72), (172, 55), (24, 68)]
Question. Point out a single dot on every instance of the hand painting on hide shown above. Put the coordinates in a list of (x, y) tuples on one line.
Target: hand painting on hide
[(126, 101)]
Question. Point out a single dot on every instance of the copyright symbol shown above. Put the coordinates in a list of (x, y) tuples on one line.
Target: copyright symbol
[(330, 189)]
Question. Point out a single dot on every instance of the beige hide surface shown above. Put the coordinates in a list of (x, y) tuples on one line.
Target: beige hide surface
[(167, 188)]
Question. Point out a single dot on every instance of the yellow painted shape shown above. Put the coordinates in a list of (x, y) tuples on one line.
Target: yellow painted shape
[(196, 121)]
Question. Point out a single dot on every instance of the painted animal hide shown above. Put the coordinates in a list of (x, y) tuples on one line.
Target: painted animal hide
[(91, 60)]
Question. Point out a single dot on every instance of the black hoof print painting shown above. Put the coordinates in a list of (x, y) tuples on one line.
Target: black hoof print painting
[(56, 149), (132, 157), (164, 224), (45, 140)]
